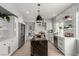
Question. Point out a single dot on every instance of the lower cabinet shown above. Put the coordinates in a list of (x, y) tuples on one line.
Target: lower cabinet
[(39, 47), (8, 47), (3, 50), (13, 46), (67, 46), (61, 44)]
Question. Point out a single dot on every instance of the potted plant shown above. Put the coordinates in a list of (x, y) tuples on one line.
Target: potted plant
[(4, 17)]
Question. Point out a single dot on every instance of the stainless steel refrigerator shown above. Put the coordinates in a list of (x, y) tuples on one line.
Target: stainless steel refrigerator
[(21, 35)]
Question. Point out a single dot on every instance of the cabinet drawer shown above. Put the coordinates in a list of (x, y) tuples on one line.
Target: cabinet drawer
[(61, 44), (61, 39), (61, 49)]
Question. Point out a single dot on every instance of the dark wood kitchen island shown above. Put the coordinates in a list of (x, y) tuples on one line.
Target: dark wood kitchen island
[(39, 47)]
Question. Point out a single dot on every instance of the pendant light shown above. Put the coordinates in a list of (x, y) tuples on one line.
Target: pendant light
[(38, 18)]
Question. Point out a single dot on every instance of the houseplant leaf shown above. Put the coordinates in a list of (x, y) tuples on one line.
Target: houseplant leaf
[(8, 18)]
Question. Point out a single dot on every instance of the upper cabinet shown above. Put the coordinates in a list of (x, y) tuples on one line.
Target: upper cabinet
[(66, 22)]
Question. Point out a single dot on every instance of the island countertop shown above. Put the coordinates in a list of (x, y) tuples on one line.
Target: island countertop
[(37, 38)]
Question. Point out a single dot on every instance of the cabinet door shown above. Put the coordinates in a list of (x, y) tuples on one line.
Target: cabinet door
[(5, 47), (61, 44), (3, 50), (13, 45), (39, 48), (70, 46)]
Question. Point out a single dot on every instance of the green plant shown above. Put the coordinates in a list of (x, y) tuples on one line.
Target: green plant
[(5, 16), (8, 18)]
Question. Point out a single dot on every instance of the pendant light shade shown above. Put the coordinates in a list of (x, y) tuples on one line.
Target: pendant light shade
[(39, 18)]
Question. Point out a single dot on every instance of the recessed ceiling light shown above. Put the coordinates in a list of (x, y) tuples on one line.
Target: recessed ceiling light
[(27, 12)]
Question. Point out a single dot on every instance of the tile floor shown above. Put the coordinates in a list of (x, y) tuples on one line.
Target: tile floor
[(25, 50)]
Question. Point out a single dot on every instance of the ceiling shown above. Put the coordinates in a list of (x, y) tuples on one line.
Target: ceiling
[(47, 10), (4, 11)]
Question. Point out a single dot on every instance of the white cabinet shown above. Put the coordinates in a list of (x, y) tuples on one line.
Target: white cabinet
[(13, 45), (61, 44), (9, 46), (67, 45), (4, 48), (70, 46)]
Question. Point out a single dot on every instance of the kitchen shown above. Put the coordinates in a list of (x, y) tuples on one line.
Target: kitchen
[(38, 26)]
